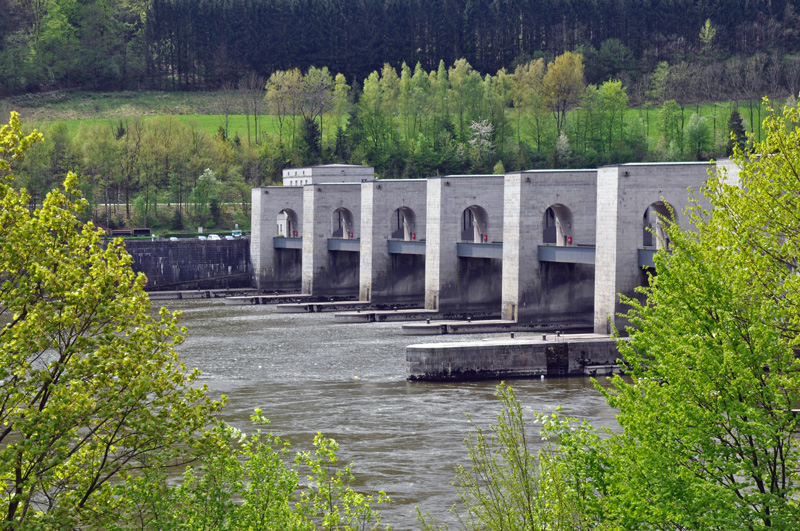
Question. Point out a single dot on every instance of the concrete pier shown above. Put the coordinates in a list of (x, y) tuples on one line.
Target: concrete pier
[(275, 247), (633, 200), (528, 357), (464, 250), (331, 246), (287, 298), (382, 316), (548, 246), (393, 223), (200, 294)]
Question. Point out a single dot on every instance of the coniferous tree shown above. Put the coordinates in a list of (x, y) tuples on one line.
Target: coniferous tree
[(737, 134)]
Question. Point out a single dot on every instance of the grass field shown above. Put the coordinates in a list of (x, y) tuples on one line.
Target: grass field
[(202, 109), (717, 114), (237, 123)]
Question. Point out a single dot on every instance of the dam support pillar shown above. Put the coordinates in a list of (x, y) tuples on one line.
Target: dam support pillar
[(554, 208), (392, 267), (332, 220), (277, 212), (633, 203), (463, 266)]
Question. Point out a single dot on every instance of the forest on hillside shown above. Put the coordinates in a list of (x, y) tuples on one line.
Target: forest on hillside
[(204, 44), (412, 88)]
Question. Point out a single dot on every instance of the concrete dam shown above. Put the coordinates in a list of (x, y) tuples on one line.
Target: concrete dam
[(540, 250), (547, 248)]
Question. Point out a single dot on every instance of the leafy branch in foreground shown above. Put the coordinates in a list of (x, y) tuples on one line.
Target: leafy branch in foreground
[(511, 485), (250, 482), (92, 386), (710, 435)]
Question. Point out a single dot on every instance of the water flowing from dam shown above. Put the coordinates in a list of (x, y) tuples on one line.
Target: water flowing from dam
[(308, 374)]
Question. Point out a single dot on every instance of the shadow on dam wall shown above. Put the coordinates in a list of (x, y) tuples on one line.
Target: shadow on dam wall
[(192, 264)]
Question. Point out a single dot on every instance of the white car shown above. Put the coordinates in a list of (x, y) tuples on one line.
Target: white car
[(214, 237), (202, 238)]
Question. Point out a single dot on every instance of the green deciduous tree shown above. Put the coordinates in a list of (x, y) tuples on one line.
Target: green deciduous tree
[(709, 437), (658, 83), (563, 85), (605, 108), (707, 34), (92, 386), (698, 136), (510, 484), (465, 91), (252, 482), (318, 94), (284, 98), (669, 125), (341, 99), (528, 99), (206, 198)]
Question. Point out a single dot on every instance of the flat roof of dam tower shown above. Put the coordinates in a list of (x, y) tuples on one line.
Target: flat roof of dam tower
[(328, 173)]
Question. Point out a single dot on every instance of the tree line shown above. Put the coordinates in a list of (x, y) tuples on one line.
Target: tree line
[(202, 44), (158, 173), (406, 123)]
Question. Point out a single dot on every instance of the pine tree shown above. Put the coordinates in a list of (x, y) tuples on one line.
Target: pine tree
[(737, 134)]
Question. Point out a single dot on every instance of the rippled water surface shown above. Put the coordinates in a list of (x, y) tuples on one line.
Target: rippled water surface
[(308, 374)]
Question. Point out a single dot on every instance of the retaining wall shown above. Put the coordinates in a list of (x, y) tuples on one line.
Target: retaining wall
[(192, 263)]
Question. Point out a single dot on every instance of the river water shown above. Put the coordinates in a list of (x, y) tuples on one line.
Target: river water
[(308, 373)]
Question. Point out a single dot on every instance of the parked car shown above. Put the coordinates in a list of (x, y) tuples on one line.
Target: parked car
[(202, 238), (214, 237), (173, 238), (229, 237)]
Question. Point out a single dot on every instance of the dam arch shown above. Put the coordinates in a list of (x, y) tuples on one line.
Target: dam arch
[(474, 224), (557, 225), (657, 216), (342, 224), (287, 223), (403, 224)]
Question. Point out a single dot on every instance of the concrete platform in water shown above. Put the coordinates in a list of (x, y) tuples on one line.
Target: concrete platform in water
[(410, 314), (333, 306), (200, 294), (286, 298), (522, 357), (488, 326)]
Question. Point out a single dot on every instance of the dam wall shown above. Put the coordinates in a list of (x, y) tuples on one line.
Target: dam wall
[(535, 247), (189, 264)]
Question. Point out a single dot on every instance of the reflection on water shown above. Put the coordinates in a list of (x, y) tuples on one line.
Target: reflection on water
[(308, 374)]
